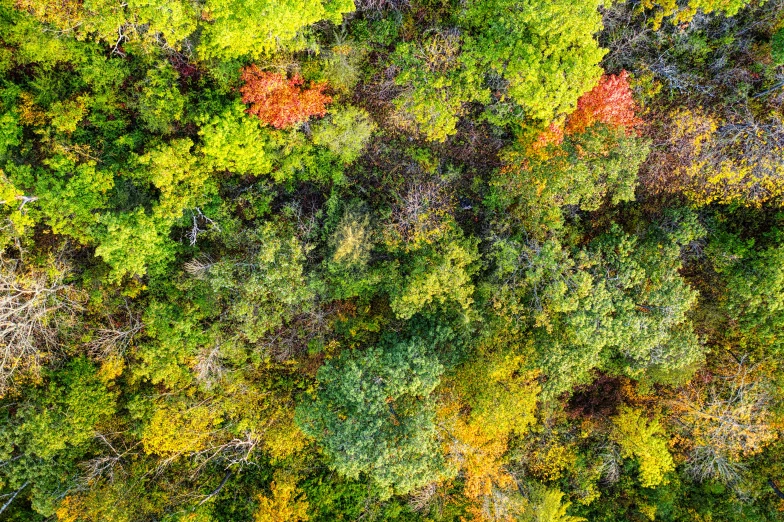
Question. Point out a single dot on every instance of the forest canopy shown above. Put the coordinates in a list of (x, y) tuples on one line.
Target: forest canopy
[(391, 260)]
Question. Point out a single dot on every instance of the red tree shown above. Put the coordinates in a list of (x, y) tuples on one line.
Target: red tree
[(610, 102), (279, 101)]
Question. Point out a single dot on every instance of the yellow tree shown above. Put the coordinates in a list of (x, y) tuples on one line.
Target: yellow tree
[(484, 403), (642, 438), (286, 503), (711, 159)]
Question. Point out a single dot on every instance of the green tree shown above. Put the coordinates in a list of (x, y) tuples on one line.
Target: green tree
[(10, 133), (547, 505), (69, 195), (437, 86), (587, 170), (132, 241), (373, 414), (235, 142), (347, 270), (344, 132), (544, 51), (151, 22), (160, 103), (753, 297), (777, 47), (264, 289), (619, 304), (237, 28), (439, 273), (50, 430), (177, 175), (681, 12)]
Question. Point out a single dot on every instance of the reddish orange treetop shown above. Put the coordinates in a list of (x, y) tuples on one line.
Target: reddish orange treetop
[(279, 101), (610, 102)]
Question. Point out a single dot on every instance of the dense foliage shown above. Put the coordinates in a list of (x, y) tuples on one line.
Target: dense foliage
[(392, 260)]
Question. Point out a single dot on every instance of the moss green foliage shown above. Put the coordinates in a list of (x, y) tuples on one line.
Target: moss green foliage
[(777, 47), (477, 261), (374, 414)]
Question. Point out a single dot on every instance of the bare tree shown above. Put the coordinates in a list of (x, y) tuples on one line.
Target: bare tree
[(421, 210), (116, 335), (421, 499), (33, 303), (381, 5), (108, 465), (209, 368)]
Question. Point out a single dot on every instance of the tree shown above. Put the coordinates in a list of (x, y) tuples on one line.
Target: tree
[(281, 102), (650, 329), (10, 133), (437, 86), (684, 12), (352, 239), (172, 339), (68, 195), (715, 159), (777, 47), (179, 178), (235, 142), (436, 274), (347, 270), (131, 241), (619, 304), (611, 102), (592, 159), (753, 298), (482, 406), (373, 414), (724, 416), (265, 289), (34, 304), (641, 438), (179, 429), (345, 133), (544, 51), (160, 103), (594, 167), (51, 430), (286, 504), (16, 218), (228, 29), (547, 505), (151, 21), (237, 28)]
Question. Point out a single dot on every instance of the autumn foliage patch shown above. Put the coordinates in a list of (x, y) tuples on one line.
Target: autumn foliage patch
[(280, 101), (610, 102)]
